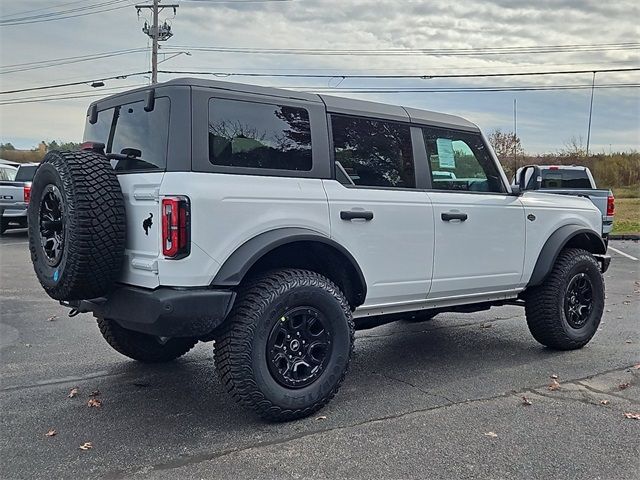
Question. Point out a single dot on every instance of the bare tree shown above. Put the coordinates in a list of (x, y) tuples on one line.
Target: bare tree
[(506, 144)]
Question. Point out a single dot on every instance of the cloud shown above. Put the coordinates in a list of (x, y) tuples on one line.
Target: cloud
[(547, 117)]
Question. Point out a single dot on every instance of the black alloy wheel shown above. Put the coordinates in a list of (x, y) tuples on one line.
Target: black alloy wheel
[(299, 347), (51, 223), (578, 300)]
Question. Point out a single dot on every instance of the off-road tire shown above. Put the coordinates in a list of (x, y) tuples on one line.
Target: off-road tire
[(142, 347), (544, 304), (93, 225), (241, 348)]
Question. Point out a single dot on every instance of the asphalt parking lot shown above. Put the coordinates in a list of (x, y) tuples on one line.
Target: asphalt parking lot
[(441, 399)]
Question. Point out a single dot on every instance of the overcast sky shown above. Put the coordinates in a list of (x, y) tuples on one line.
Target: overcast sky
[(546, 119)]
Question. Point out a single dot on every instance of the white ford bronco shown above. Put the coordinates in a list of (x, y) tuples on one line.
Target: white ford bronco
[(277, 222)]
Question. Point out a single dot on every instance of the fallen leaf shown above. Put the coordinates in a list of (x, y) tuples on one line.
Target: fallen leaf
[(27, 344), (94, 402), (623, 386), (486, 325), (73, 392), (52, 318), (95, 393), (604, 402), (51, 433), (526, 401), (626, 302), (554, 376), (632, 416), (554, 385), (608, 311), (321, 417), (628, 341), (491, 434), (637, 367), (86, 446)]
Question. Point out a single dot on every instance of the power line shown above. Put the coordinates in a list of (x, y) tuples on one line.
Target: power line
[(53, 16), (42, 8), (423, 77), (292, 75), (70, 84), (475, 51), (76, 95), (467, 89), (66, 61)]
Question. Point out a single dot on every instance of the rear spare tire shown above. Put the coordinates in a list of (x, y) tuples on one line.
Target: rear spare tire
[(76, 225)]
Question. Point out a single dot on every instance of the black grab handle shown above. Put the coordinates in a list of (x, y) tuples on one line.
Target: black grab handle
[(351, 214), (454, 216)]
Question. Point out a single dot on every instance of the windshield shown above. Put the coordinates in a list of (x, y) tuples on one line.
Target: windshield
[(133, 133), (25, 173), (565, 178)]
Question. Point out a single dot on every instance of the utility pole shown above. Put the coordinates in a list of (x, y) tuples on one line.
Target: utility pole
[(515, 137), (157, 32), (593, 86)]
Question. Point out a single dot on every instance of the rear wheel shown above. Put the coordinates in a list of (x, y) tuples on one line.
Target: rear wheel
[(287, 344), (142, 347), (565, 311)]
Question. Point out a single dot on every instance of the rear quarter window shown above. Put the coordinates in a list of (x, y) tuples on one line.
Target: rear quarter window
[(259, 135)]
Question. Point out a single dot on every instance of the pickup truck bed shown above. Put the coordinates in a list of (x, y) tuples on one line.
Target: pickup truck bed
[(599, 197)]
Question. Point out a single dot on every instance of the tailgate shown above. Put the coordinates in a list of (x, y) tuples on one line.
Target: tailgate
[(143, 236), (11, 195)]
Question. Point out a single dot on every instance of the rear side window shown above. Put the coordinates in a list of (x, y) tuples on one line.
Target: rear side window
[(460, 161), (259, 135), (26, 173), (562, 178), (372, 153), (132, 132)]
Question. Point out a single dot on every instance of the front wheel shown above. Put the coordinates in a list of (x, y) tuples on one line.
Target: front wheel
[(565, 311), (287, 344)]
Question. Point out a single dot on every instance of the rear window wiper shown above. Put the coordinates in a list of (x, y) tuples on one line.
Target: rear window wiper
[(129, 159)]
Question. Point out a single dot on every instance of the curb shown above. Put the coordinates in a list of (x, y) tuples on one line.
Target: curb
[(625, 236)]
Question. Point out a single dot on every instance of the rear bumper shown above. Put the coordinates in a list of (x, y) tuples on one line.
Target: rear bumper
[(164, 312)]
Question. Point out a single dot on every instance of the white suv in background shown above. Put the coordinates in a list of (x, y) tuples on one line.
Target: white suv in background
[(276, 222)]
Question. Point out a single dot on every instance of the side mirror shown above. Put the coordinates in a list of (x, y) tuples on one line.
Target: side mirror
[(515, 190), (529, 178)]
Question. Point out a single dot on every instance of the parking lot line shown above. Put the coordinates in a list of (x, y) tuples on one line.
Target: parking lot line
[(623, 254)]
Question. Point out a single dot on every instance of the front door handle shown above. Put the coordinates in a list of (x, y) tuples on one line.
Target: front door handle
[(351, 214), (453, 216)]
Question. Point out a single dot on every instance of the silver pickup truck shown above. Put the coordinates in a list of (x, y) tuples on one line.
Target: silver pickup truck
[(14, 198), (569, 180)]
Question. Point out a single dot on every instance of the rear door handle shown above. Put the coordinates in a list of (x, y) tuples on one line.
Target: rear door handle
[(351, 214), (453, 216)]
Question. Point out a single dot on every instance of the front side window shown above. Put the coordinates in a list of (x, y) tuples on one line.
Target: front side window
[(259, 135), (460, 161), (139, 138), (372, 153)]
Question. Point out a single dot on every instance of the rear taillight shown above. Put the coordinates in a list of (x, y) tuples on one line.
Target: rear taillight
[(27, 193), (611, 206), (176, 227)]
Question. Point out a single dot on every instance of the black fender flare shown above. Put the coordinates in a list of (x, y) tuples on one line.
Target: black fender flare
[(588, 239), (245, 256)]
